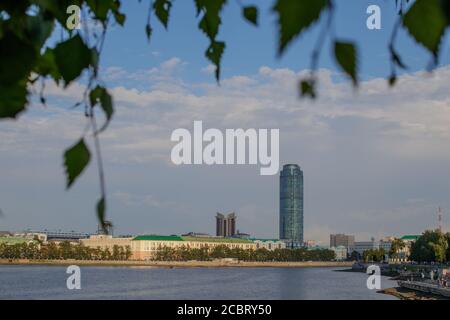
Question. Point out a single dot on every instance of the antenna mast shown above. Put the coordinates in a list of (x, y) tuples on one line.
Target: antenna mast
[(440, 219)]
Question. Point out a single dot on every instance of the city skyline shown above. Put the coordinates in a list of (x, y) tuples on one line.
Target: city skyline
[(255, 232)]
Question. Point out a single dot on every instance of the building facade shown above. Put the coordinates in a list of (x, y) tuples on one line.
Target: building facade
[(361, 246), (340, 252), (106, 241), (291, 203), (310, 243), (146, 246), (269, 244), (61, 235), (348, 241), (225, 225)]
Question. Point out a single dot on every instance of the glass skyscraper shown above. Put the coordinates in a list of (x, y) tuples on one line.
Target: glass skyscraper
[(291, 203)]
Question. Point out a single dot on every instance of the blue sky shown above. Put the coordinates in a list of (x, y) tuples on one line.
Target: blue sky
[(375, 160), (248, 47)]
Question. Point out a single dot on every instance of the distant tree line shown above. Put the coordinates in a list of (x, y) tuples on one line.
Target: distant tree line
[(219, 252), (432, 246), (65, 250), (374, 255)]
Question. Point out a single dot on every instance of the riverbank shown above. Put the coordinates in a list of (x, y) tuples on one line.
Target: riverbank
[(408, 294), (177, 264)]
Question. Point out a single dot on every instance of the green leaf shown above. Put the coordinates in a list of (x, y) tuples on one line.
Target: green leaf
[(17, 58), (162, 10), (445, 5), (251, 14), (214, 54), (100, 8), (346, 56), (101, 95), (76, 159), (72, 57), (426, 23), (210, 21), (39, 29), (120, 18), (46, 65), (307, 88), (295, 16), (209, 24), (13, 99)]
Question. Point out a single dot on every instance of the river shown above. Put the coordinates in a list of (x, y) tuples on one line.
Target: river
[(49, 282)]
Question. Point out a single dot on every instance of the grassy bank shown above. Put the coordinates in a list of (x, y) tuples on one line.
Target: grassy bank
[(172, 264)]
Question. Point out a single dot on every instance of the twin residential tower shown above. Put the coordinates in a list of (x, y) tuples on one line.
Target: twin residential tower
[(291, 204)]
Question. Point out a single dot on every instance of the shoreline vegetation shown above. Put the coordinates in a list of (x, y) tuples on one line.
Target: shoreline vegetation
[(65, 250), (178, 264)]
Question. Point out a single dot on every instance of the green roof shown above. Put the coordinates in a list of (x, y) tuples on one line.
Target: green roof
[(410, 237), (264, 240), (198, 239), (14, 240), (158, 238), (214, 239)]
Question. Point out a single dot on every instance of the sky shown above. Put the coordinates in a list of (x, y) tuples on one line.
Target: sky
[(375, 159)]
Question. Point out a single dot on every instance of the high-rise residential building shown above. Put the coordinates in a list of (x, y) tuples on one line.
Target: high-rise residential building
[(345, 240), (225, 225), (291, 203)]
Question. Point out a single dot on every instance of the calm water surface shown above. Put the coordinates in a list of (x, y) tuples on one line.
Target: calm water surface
[(49, 282)]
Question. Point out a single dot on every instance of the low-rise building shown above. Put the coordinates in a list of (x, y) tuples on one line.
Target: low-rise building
[(310, 243), (60, 236), (12, 240), (5, 234), (42, 237), (361, 246), (410, 238), (405, 252), (293, 244), (340, 252), (386, 244), (341, 239), (145, 247), (106, 241), (269, 244)]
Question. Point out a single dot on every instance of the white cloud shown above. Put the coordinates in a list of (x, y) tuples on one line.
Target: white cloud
[(209, 69)]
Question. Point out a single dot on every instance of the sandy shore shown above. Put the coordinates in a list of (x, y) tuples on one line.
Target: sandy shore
[(172, 264)]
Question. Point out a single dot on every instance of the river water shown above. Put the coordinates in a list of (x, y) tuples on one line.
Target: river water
[(49, 282)]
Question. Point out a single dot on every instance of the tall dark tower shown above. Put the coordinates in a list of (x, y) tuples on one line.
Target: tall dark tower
[(291, 203), (225, 225)]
